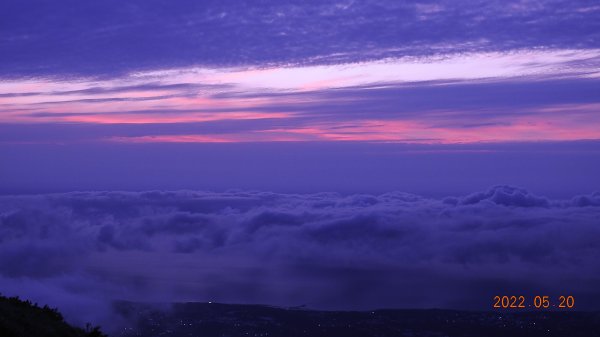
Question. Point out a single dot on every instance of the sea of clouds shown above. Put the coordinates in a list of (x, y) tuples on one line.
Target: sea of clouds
[(81, 251)]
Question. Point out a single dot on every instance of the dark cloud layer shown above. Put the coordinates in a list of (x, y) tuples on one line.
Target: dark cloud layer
[(111, 37), (82, 250)]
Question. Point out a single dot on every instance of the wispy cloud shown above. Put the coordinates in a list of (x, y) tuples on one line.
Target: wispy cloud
[(514, 108), (109, 39), (450, 71)]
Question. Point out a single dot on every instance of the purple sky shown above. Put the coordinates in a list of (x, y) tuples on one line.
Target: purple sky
[(328, 112), (139, 84)]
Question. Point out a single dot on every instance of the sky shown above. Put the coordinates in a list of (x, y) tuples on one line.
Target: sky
[(196, 78), (327, 126)]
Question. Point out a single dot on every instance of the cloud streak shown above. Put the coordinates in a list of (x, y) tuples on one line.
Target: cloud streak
[(112, 39), (435, 111), (368, 71), (425, 71)]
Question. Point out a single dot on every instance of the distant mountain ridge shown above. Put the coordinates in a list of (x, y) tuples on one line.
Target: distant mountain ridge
[(232, 320)]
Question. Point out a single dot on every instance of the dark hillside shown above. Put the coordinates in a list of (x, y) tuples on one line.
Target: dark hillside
[(20, 318)]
